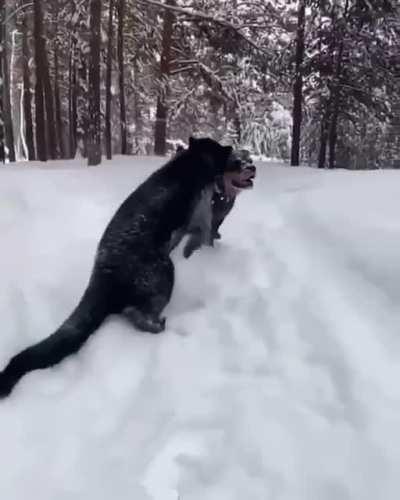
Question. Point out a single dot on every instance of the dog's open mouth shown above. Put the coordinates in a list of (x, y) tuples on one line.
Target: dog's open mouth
[(235, 182)]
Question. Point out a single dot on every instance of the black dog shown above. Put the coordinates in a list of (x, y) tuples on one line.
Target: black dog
[(133, 273), (215, 204)]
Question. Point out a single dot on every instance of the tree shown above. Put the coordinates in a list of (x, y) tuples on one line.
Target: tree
[(7, 116), (27, 99), (2, 132), (298, 80), (121, 71), (40, 48), (298, 84), (57, 99), (94, 119), (108, 81), (160, 132)]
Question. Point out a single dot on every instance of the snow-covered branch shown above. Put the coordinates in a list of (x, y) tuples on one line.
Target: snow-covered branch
[(201, 15)]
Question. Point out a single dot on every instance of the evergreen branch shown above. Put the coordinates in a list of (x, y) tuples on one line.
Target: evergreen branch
[(205, 17)]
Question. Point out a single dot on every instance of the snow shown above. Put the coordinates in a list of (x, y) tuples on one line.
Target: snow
[(277, 377)]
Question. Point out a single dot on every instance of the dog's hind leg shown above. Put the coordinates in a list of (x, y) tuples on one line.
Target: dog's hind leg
[(150, 293)]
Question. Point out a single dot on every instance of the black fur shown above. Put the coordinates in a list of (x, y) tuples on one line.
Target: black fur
[(133, 273)]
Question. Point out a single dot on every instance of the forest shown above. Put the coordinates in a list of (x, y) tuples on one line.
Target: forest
[(314, 82)]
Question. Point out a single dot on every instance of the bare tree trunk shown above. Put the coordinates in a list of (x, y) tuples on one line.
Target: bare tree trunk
[(2, 137), (49, 106), (335, 109), (72, 101), (138, 114), (43, 85), (7, 117), (121, 66), (160, 133), (72, 87), (15, 96), (108, 81), (57, 101), (27, 101), (94, 128), (160, 136), (323, 143), (298, 85), (82, 102), (41, 141), (335, 92)]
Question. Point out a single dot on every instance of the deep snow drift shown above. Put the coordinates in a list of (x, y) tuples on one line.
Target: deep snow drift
[(278, 376)]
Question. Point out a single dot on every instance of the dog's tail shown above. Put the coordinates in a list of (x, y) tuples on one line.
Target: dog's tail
[(68, 339)]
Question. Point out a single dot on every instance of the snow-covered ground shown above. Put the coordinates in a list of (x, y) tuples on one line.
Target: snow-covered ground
[(278, 376)]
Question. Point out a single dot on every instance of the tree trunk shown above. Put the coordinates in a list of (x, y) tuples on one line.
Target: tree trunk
[(82, 103), (2, 138), (43, 85), (108, 81), (323, 143), (57, 101), (27, 101), (72, 102), (49, 106), (15, 96), (41, 142), (335, 109), (94, 125), (72, 87), (335, 93), (298, 85), (160, 136), (138, 114), (7, 117), (121, 66), (160, 133)]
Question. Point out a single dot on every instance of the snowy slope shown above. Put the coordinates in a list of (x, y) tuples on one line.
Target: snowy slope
[(278, 376)]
